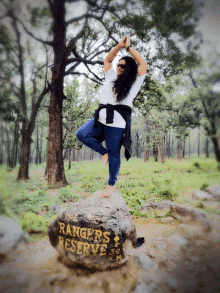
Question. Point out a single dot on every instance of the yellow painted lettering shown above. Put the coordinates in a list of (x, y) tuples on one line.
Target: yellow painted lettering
[(112, 250), (60, 241), (73, 248), (75, 231), (89, 233), (86, 248), (67, 243), (68, 231), (83, 233), (98, 234), (93, 248), (79, 247), (103, 248), (118, 257), (118, 251), (106, 238), (111, 258), (62, 226)]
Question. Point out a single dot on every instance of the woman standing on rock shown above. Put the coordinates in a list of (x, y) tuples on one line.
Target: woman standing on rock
[(112, 118)]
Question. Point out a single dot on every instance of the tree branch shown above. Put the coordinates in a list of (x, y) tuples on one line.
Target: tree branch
[(86, 75), (79, 59), (32, 35)]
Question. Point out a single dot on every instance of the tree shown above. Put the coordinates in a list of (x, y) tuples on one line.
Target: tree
[(206, 99), (15, 56)]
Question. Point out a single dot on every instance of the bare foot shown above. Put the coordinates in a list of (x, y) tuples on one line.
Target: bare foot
[(105, 160), (107, 192)]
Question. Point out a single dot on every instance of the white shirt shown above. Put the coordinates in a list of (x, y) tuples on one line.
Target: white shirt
[(108, 97)]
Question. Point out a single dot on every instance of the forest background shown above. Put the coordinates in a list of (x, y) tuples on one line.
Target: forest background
[(52, 56)]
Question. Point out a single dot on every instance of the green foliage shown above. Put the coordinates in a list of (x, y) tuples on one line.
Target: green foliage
[(67, 194), (33, 223), (204, 186), (200, 205)]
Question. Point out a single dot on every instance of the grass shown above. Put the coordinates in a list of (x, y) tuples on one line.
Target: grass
[(138, 182)]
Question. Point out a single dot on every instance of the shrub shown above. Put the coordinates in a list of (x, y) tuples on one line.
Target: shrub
[(67, 194), (204, 186), (197, 165), (3, 209), (200, 205), (167, 193), (33, 223)]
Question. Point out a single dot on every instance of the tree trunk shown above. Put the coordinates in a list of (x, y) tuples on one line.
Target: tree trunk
[(207, 147), (37, 149), (23, 172), (70, 158), (12, 157), (160, 149), (78, 152), (137, 148), (179, 150), (1, 143), (147, 153), (40, 148), (198, 141), (55, 163), (184, 143), (189, 145), (169, 146), (217, 151), (16, 146), (91, 154), (155, 152)]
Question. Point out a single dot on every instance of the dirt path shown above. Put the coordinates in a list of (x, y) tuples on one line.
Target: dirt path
[(175, 258)]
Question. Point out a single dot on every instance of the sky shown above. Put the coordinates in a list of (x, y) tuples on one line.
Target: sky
[(210, 23)]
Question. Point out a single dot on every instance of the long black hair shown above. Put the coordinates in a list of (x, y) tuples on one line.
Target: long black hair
[(122, 84)]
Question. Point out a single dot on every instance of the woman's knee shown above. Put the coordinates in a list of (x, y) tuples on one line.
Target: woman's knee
[(79, 135)]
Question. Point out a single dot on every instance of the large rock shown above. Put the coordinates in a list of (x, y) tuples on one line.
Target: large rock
[(97, 233), (187, 214), (214, 190), (10, 235), (202, 195)]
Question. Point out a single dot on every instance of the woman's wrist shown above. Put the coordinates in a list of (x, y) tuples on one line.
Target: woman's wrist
[(127, 48)]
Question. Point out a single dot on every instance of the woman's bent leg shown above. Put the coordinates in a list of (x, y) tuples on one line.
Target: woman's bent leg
[(92, 137), (113, 136)]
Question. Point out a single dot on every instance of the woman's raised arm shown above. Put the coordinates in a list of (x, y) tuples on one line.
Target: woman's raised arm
[(111, 55), (142, 63)]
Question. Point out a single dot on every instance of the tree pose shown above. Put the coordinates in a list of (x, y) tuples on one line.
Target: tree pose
[(112, 119)]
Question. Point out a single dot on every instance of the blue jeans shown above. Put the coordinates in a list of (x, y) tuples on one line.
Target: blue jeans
[(93, 137)]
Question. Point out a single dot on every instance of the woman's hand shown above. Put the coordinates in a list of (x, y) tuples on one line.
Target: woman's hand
[(123, 42), (127, 42)]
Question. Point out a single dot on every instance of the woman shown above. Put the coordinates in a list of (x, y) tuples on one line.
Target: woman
[(112, 118)]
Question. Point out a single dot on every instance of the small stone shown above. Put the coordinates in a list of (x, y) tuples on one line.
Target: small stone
[(167, 220), (142, 287), (202, 243), (151, 253), (54, 208), (158, 238), (173, 284), (46, 271), (162, 213), (202, 195), (57, 290), (146, 262), (58, 278), (10, 234), (160, 245), (214, 190), (177, 240)]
